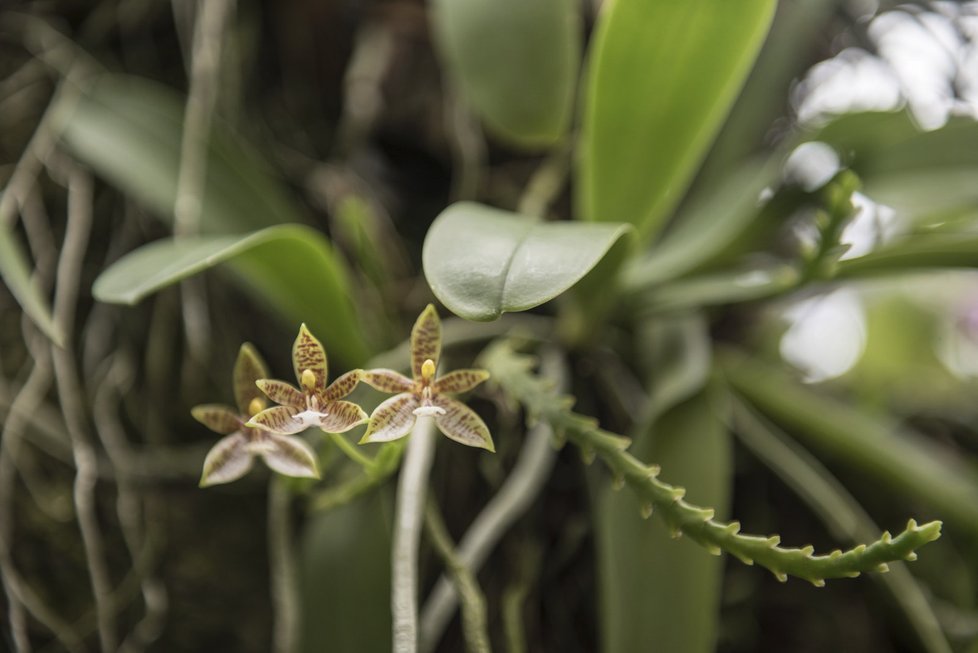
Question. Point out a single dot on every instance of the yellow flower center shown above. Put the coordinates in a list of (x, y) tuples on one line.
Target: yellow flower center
[(308, 380), (255, 407), (427, 370)]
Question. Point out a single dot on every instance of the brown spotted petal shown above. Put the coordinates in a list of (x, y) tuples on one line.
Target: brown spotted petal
[(282, 393), (285, 420), (460, 423), (308, 354), (425, 340), (218, 418), (227, 461), (342, 385), (289, 456), (341, 416), (388, 381), (247, 369), (460, 381), (393, 419)]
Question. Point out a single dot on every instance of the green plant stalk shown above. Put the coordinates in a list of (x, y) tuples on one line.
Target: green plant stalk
[(473, 601), (512, 372), (382, 466)]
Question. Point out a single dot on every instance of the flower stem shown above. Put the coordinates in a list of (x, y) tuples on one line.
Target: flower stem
[(411, 493), (351, 451)]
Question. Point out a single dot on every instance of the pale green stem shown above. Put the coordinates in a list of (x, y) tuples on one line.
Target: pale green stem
[(285, 601), (474, 627), (520, 490), (351, 451), (412, 490)]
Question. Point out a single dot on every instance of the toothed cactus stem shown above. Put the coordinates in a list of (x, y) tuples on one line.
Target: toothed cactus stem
[(511, 371)]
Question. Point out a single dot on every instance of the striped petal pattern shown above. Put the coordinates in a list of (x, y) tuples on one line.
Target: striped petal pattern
[(343, 385), (425, 340), (227, 461), (341, 416), (308, 354), (248, 368), (282, 393), (290, 456), (392, 420), (388, 381), (217, 417), (460, 423), (460, 381), (284, 420)]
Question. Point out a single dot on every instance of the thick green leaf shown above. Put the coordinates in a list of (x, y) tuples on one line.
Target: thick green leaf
[(894, 456), (661, 78), (293, 268), (481, 262), (654, 588), (344, 578), (129, 130), (711, 223), (515, 63), (16, 274)]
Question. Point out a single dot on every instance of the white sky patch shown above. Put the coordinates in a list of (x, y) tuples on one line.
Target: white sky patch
[(811, 165), (827, 335), (926, 59), (873, 225)]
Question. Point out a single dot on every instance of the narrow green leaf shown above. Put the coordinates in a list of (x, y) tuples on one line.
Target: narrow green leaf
[(16, 274), (882, 450), (839, 511), (916, 253), (129, 131), (481, 262), (293, 268), (515, 63), (661, 78), (654, 588), (344, 578)]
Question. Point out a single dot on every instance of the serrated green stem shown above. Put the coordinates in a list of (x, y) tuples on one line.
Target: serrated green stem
[(513, 373)]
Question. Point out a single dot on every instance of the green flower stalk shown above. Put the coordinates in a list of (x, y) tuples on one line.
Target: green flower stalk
[(425, 395), (234, 455)]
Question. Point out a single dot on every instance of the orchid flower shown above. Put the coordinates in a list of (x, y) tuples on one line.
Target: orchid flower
[(233, 455), (425, 394), (315, 404)]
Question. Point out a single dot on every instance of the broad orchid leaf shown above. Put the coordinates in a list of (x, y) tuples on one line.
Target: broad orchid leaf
[(291, 267), (661, 78), (693, 445), (481, 262), (15, 273), (515, 63), (129, 131)]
